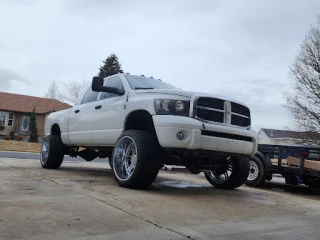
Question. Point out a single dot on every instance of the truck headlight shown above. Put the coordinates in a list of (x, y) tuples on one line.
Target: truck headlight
[(172, 107)]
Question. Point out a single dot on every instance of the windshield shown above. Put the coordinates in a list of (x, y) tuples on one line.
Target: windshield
[(139, 82)]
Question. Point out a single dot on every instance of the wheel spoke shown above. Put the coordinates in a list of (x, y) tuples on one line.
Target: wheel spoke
[(253, 170), (130, 168), (124, 165), (44, 151), (221, 177)]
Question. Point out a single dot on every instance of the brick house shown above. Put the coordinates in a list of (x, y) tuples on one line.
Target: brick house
[(15, 112)]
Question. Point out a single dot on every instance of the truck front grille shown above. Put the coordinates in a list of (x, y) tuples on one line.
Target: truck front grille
[(216, 110), (240, 109), (213, 103), (240, 121), (210, 115)]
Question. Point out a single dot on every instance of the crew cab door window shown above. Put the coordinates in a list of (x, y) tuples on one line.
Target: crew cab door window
[(90, 96), (114, 82)]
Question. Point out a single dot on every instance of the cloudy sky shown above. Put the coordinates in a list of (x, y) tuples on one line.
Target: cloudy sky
[(239, 48)]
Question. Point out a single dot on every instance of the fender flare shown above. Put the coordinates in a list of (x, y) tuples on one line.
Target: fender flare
[(265, 160)]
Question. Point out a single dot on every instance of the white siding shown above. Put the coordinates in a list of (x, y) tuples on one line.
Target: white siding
[(264, 139)]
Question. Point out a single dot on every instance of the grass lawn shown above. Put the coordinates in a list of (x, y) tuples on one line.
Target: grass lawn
[(19, 146)]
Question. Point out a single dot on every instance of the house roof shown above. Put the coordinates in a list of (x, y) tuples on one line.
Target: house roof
[(22, 103), (273, 133)]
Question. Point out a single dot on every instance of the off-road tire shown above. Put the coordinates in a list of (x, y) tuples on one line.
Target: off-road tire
[(56, 150), (238, 175), (148, 160), (261, 177), (110, 162)]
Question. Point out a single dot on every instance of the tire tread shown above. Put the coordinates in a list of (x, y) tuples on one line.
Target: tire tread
[(56, 153), (148, 163)]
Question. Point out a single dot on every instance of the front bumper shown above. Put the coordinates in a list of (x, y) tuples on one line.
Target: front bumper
[(167, 128)]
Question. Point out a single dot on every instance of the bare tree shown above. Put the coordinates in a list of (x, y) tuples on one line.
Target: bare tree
[(304, 102), (53, 91), (73, 88)]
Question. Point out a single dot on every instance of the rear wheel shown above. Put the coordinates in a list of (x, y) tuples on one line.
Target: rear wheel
[(110, 162), (52, 152), (257, 175), (311, 181), (232, 174), (135, 159)]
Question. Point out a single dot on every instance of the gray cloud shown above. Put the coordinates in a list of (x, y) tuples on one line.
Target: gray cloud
[(241, 48), (9, 78)]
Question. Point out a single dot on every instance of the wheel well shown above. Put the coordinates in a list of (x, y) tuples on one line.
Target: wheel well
[(55, 130), (140, 120), (264, 159)]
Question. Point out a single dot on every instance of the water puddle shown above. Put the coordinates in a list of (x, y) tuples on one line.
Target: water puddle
[(178, 184)]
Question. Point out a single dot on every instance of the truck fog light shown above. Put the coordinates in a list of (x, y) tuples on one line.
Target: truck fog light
[(180, 135)]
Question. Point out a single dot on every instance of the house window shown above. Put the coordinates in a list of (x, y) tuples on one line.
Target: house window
[(10, 121), (3, 116), (25, 124)]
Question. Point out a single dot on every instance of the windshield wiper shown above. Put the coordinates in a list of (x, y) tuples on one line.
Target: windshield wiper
[(142, 88)]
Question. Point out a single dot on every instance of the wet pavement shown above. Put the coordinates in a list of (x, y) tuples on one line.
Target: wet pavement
[(82, 201), (25, 155)]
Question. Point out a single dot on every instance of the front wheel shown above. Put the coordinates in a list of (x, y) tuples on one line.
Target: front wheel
[(135, 159), (52, 152), (232, 174)]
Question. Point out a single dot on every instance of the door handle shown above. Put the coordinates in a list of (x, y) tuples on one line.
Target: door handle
[(76, 111), (98, 107)]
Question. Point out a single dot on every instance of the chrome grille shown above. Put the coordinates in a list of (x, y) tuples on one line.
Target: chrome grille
[(221, 111)]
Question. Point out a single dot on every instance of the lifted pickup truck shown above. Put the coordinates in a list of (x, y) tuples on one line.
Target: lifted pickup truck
[(142, 124)]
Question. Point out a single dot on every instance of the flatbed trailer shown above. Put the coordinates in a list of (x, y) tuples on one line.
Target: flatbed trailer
[(289, 161)]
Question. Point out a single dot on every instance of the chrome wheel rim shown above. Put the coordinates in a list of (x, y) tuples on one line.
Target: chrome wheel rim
[(253, 171), (222, 177), (124, 158), (44, 151)]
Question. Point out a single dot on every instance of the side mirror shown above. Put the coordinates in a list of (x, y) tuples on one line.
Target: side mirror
[(97, 86), (97, 83)]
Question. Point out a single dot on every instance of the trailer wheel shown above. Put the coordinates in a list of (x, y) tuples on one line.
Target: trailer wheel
[(311, 181), (257, 175), (269, 177)]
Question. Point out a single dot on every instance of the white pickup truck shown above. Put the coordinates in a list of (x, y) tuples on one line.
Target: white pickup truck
[(142, 124)]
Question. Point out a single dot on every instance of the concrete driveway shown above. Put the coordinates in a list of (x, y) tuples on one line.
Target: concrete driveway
[(82, 201)]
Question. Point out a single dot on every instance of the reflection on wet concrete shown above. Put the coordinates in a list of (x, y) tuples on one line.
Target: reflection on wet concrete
[(178, 184), (277, 184)]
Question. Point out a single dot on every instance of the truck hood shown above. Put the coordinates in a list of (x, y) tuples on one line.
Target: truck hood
[(182, 93)]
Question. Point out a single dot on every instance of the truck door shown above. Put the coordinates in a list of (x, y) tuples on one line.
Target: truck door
[(108, 115), (80, 120)]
